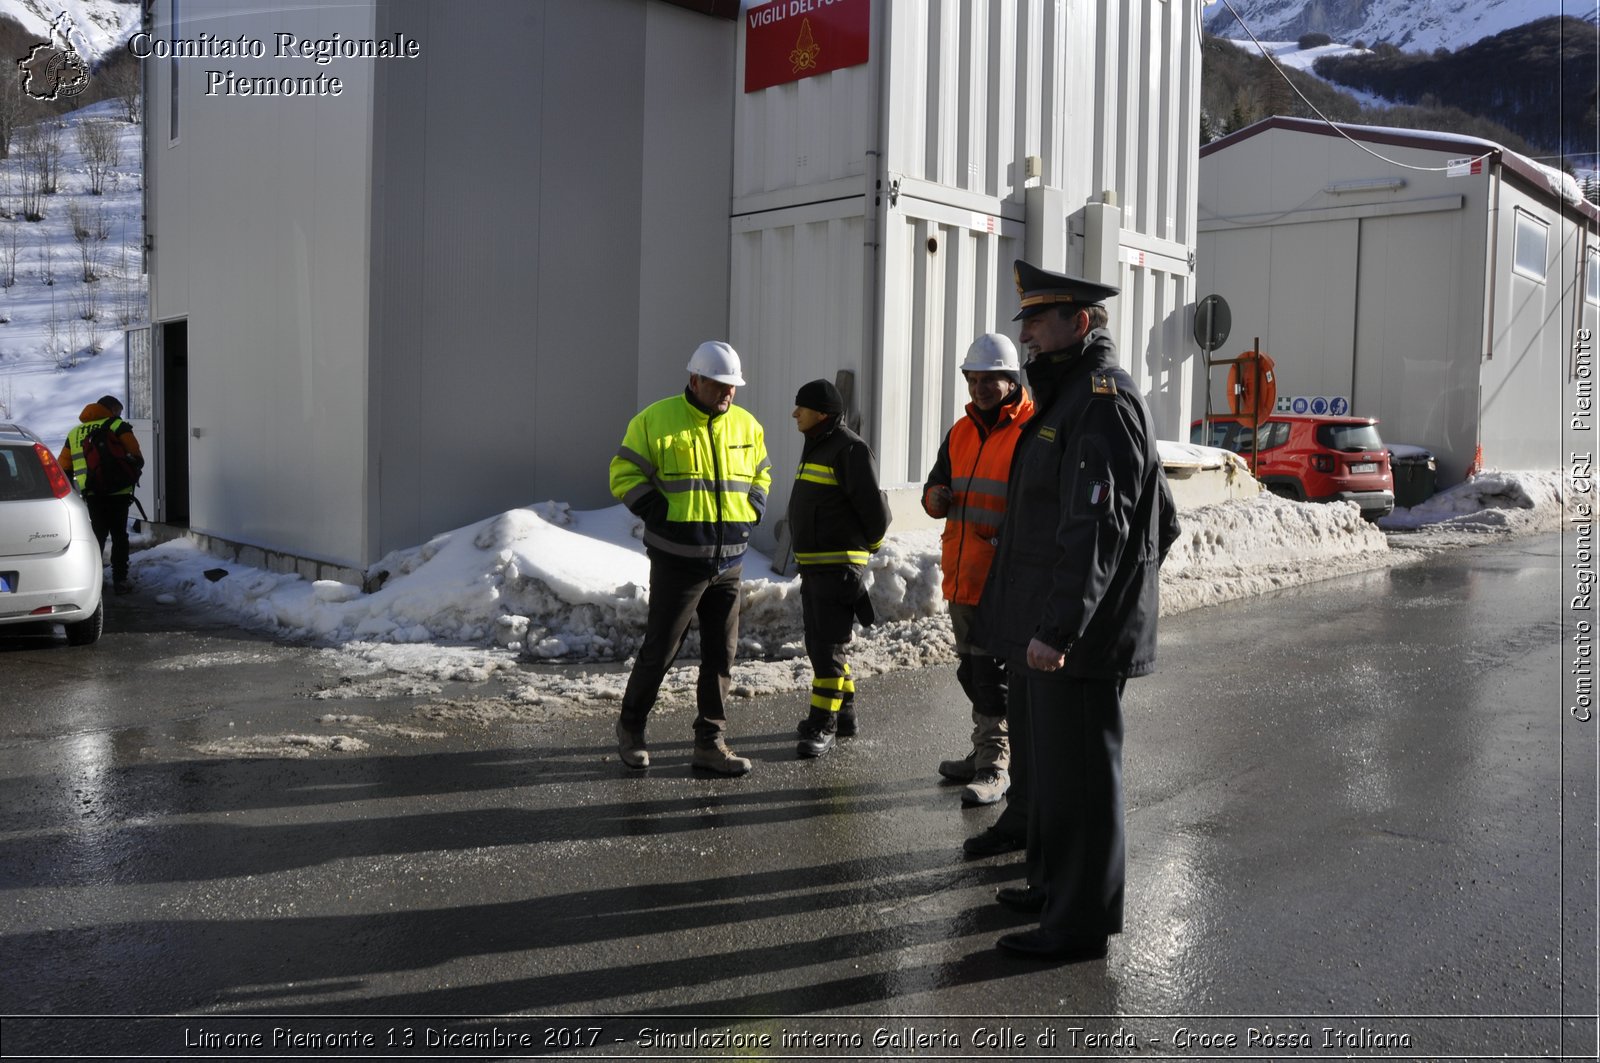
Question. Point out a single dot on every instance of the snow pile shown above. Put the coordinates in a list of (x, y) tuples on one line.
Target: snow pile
[(1236, 549), (548, 583), (522, 596), (1491, 501)]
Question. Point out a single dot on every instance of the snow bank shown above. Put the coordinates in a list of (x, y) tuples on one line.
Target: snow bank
[(522, 596), (1490, 501)]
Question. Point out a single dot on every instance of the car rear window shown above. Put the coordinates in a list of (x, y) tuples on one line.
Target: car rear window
[(1231, 435), (1349, 436), (22, 475)]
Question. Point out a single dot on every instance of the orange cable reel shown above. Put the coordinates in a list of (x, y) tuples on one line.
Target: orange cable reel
[(1252, 388)]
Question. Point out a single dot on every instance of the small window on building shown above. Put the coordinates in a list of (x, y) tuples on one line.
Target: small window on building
[(172, 84), (1592, 276), (1533, 245)]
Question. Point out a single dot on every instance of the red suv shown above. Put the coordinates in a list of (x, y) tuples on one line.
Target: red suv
[(1312, 459)]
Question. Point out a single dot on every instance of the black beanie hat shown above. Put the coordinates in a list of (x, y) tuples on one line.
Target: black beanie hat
[(821, 396)]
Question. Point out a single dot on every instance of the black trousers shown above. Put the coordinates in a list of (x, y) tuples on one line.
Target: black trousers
[(1066, 735), (679, 593), (108, 516), (829, 597)]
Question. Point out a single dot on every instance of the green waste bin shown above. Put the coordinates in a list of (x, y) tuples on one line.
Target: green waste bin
[(1416, 473)]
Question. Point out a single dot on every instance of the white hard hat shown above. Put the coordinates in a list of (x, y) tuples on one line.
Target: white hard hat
[(717, 361), (991, 353)]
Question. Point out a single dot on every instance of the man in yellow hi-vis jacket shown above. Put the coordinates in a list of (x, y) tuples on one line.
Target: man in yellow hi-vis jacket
[(694, 468), (837, 519)]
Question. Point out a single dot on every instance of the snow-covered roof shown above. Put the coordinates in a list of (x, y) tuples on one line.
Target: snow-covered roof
[(1550, 184)]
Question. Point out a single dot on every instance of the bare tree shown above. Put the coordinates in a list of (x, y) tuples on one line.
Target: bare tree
[(47, 265), (8, 254), (48, 159), (10, 112), (123, 79), (85, 227), (28, 151), (101, 146)]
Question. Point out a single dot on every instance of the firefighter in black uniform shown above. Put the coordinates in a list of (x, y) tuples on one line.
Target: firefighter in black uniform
[(1071, 600), (837, 520)]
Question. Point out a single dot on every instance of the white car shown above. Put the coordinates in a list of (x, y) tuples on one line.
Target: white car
[(50, 564)]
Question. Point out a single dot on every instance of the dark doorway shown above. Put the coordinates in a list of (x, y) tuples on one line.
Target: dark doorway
[(172, 504)]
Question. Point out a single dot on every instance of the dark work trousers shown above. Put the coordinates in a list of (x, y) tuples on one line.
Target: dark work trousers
[(983, 679), (1069, 732), (678, 593), (108, 516), (828, 597)]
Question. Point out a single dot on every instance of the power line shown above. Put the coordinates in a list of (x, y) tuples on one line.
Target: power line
[(1330, 123)]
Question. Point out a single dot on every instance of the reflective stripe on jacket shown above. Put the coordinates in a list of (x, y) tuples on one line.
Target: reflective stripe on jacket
[(837, 515), (698, 480), (974, 463)]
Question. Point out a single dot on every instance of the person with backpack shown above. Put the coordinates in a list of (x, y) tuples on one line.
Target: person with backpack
[(103, 458)]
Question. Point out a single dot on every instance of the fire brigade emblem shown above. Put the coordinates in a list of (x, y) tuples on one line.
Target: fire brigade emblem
[(806, 49)]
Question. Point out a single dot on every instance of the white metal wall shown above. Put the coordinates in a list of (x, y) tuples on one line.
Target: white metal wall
[(931, 176), (1525, 384), (256, 242)]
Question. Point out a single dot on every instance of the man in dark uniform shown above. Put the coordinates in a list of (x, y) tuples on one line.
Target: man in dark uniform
[(837, 520), (1072, 600)]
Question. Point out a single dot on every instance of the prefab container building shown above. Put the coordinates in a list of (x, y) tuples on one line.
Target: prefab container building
[(441, 293), (1434, 281)]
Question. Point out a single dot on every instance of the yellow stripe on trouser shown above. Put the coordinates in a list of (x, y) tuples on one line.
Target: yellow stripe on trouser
[(830, 693)]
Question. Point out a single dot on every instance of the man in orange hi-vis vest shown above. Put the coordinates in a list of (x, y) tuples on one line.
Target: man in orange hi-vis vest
[(967, 488)]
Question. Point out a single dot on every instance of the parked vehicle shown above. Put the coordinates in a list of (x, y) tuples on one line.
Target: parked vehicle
[(50, 563), (1311, 459)]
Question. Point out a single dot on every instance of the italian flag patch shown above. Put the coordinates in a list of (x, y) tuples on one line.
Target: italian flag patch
[(1099, 491)]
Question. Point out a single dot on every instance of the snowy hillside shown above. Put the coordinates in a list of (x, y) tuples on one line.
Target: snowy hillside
[(99, 25), (61, 337), (1413, 25)]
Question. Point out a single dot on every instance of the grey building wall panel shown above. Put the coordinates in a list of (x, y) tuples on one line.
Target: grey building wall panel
[(686, 175), (276, 288), (554, 262), (1524, 383), (1418, 332)]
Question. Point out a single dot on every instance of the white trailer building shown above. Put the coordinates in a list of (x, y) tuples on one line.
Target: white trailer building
[(441, 292), (1434, 281)]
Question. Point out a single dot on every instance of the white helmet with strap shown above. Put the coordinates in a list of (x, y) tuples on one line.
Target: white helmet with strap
[(717, 361), (992, 353)]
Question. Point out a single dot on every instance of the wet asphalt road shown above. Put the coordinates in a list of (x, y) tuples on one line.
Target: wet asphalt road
[(1345, 814)]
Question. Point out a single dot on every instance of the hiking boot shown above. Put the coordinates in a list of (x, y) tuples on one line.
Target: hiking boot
[(986, 787), (961, 770), (717, 757), (122, 586), (816, 733), (631, 748), (845, 727)]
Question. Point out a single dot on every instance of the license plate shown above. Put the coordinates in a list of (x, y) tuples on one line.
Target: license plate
[(8, 582), (1364, 466)]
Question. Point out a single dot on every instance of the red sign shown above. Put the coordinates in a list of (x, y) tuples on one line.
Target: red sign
[(786, 40)]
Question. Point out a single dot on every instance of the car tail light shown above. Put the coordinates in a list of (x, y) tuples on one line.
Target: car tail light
[(59, 483), (1322, 463)]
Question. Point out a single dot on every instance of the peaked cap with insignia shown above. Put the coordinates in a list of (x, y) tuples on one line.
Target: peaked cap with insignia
[(1039, 289)]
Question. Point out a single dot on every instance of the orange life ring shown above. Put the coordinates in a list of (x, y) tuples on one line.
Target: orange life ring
[(1248, 400)]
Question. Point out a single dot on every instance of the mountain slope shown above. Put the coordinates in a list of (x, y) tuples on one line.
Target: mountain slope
[(1413, 25), (99, 26)]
